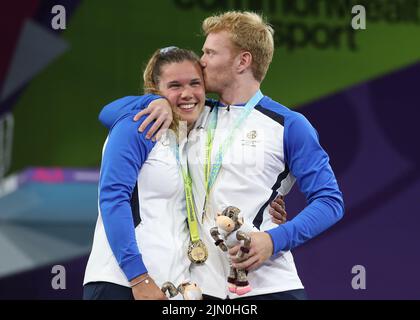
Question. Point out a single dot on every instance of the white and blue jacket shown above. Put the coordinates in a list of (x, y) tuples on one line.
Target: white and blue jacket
[(274, 148), (141, 225)]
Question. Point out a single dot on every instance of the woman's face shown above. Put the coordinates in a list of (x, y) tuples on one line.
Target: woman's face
[(183, 85)]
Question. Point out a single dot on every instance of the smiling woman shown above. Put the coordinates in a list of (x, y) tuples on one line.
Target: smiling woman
[(141, 239)]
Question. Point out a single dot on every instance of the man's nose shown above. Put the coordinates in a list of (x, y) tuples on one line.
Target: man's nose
[(202, 62)]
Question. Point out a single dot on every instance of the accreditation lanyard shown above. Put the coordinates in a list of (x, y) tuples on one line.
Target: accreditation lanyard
[(191, 215), (211, 171)]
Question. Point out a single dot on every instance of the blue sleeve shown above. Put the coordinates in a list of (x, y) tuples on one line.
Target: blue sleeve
[(117, 109), (309, 163), (124, 153)]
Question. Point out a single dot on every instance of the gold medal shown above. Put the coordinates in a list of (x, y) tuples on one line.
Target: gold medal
[(197, 252)]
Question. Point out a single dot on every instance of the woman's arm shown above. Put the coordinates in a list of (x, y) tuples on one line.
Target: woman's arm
[(124, 153)]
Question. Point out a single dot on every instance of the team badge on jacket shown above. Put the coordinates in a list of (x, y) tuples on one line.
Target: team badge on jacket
[(250, 139)]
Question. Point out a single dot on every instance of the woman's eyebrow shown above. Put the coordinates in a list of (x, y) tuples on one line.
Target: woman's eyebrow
[(173, 82)]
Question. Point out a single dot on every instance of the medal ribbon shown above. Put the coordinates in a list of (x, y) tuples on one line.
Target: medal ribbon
[(211, 171), (191, 215)]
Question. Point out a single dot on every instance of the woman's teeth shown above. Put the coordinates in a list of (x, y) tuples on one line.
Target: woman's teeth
[(187, 106)]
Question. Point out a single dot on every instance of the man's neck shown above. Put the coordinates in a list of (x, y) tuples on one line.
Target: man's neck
[(239, 93)]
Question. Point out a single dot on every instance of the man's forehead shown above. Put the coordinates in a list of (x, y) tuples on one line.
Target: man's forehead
[(217, 40)]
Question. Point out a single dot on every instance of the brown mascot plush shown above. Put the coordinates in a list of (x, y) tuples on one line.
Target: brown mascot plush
[(230, 231), (189, 291)]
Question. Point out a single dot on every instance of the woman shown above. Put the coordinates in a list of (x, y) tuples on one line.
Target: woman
[(141, 237)]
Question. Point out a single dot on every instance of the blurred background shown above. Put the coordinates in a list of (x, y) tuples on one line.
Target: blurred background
[(359, 88)]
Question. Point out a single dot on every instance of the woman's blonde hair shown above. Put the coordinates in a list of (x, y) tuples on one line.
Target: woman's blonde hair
[(153, 70), (249, 32)]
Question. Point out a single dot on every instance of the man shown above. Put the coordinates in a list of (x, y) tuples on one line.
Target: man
[(275, 147)]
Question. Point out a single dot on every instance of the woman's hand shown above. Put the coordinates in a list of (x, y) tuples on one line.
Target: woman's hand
[(144, 288)]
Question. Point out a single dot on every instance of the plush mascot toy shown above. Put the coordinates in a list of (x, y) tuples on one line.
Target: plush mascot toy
[(230, 231), (189, 291)]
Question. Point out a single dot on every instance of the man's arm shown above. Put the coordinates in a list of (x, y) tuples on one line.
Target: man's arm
[(309, 163), (159, 109)]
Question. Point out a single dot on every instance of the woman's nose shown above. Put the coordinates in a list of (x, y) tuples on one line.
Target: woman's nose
[(186, 94)]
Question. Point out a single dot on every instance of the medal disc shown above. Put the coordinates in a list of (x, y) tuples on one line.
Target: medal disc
[(197, 252)]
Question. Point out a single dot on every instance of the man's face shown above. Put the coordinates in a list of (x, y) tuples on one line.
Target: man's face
[(218, 61)]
